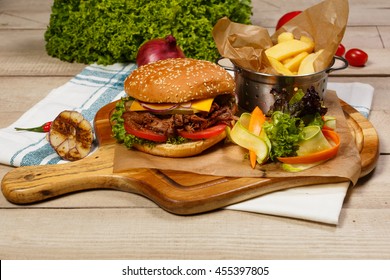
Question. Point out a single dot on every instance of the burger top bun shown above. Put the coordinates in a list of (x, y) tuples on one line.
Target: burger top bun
[(178, 80)]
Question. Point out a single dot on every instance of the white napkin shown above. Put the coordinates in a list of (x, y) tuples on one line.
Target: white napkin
[(320, 203), (98, 85), (357, 95)]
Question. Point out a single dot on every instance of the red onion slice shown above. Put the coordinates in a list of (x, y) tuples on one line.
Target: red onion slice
[(186, 105), (158, 108)]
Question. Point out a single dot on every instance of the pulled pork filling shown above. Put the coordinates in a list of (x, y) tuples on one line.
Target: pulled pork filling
[(222, 111)]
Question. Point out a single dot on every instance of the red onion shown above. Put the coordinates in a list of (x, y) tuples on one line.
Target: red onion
[(186, 105), (159, 108), (158, 49)]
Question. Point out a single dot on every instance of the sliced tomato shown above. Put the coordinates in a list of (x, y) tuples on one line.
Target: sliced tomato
[(204, 134), (146, 134)]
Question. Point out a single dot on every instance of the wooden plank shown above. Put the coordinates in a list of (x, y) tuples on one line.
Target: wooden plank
[(362, 12), (154, 234), (24, 54), (265, 13), (10, 21), (385, 35), (381, 120), (362, 37), (372, 191), (24, 15), (24, 6), (21, 93), (378, 64)]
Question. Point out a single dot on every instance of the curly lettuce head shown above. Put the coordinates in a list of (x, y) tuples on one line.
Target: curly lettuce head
[(110, 31)]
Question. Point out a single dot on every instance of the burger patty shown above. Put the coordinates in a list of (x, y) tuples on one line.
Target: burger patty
[(170, 124)]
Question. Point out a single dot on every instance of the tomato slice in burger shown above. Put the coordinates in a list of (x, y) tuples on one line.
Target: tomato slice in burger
[(146, 134), (203, 134)]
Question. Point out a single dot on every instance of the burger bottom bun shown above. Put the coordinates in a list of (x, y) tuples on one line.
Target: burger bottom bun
[(181, 150)]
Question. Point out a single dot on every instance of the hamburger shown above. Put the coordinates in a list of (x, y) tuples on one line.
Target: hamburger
[(175, 107)]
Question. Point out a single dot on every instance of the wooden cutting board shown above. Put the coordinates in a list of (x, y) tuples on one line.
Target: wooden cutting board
[(177, 192)]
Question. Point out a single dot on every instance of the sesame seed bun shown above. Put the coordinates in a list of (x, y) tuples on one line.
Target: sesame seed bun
[(178, 80)]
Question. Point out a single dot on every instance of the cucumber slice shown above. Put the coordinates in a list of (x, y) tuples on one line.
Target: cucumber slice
[(299, 167), (241, 136), (314, 141), (330, 122)]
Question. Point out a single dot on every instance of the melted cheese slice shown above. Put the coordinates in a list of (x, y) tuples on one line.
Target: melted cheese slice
[(196, 105)]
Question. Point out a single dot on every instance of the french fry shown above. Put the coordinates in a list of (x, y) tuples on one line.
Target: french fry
[(291, 56), (285, 36), (307, 40), (294, 63), (288, 48), (307, 64), (279, 67)]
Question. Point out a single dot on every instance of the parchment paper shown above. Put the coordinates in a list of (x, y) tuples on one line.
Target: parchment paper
[(244, 44), (229, 160)]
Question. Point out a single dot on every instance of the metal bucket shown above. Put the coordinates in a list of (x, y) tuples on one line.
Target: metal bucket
[(253, 88)]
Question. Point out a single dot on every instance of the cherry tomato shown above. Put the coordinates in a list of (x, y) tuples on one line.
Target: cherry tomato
[(356, 57), (287, 17), (146, 134), (204, 134), (340, 50)]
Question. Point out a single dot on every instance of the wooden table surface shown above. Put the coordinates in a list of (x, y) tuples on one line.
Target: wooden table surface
[(109, 224)]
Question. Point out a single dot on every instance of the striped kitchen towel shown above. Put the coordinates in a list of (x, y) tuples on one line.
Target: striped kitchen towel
[(358, 95), (86, 93)]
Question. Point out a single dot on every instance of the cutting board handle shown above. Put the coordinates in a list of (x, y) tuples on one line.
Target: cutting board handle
[(30, 184), (36, 183)]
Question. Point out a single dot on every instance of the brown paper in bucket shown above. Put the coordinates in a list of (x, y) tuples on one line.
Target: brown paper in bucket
[(244, 45), (228, 160)]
